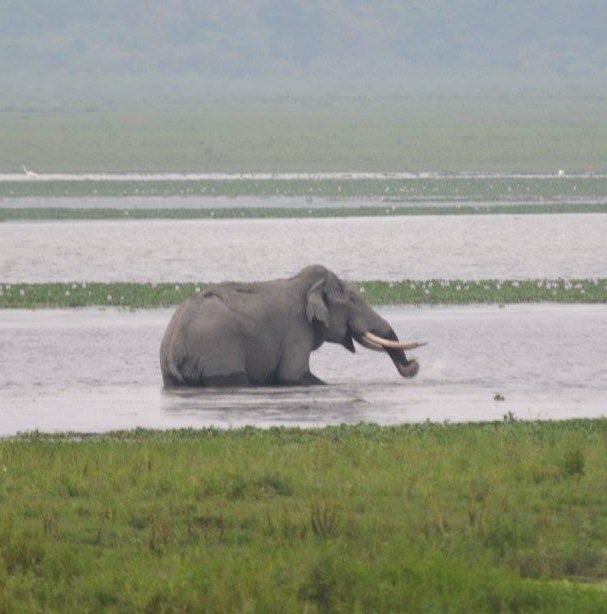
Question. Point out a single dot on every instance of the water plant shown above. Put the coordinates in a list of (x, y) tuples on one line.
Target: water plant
[(318, 210), (416, 292)]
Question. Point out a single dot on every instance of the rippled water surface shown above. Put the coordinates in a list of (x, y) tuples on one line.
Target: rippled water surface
[(97, 370), (422, 247)]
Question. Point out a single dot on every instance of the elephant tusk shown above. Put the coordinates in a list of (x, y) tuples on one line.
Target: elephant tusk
[(388, 343), (371, 345)]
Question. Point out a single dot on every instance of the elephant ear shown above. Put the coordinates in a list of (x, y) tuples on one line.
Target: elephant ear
[(316, 308)]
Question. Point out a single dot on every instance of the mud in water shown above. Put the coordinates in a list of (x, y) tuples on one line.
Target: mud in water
[(421, 247), (97, 370)]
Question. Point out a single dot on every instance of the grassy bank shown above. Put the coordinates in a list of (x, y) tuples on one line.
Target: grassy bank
[(147, 295), (412, 190), (313, 211), (507, 517)]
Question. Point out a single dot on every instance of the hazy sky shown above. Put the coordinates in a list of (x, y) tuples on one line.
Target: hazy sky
[(384, 46)]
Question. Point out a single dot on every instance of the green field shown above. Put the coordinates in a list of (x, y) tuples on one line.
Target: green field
[(366, 134), (503, 517), (416, 292)]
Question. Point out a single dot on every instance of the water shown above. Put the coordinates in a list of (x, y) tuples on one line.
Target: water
[(30, 175), (219, 203), (97, 370), (419, 247), (312, 203), (197, 202)]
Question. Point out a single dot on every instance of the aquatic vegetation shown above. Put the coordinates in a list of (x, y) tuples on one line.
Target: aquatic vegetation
[(436, 291), (505, 516), (393, 191), (416, 292), (8, 214)]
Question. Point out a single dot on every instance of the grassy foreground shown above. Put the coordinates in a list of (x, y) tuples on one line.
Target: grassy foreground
[(417, 292), (503, 517)]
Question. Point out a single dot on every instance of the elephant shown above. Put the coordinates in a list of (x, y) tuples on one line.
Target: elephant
[(262, 333)]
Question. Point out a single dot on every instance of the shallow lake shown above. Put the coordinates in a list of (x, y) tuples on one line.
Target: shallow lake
[(195, 202), (267, 202), (419, 247), (97, 370)]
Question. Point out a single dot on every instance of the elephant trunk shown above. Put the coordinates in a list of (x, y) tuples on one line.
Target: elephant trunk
[(388, 342), (406, 367), (375, 333)]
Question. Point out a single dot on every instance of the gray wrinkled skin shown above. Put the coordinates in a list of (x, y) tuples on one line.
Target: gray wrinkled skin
[(262, 333)]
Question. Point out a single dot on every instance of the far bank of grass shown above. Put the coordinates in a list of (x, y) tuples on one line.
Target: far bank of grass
[(511, 134), (503, 517), (516, 188), (15, 214), (415, 292)]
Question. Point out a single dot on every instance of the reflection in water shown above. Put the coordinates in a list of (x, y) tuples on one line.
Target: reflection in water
[(419, 247), (97, 370)]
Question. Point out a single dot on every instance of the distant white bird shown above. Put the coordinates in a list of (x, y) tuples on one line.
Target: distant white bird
[(28, 172), (561, 173)]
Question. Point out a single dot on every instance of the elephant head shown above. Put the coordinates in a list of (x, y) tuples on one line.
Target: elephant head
[(341, 314)]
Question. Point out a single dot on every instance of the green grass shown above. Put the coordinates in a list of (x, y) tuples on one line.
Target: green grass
[(559, 190), (313, 211), (434, 291), (505, 517), (314, 135)]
